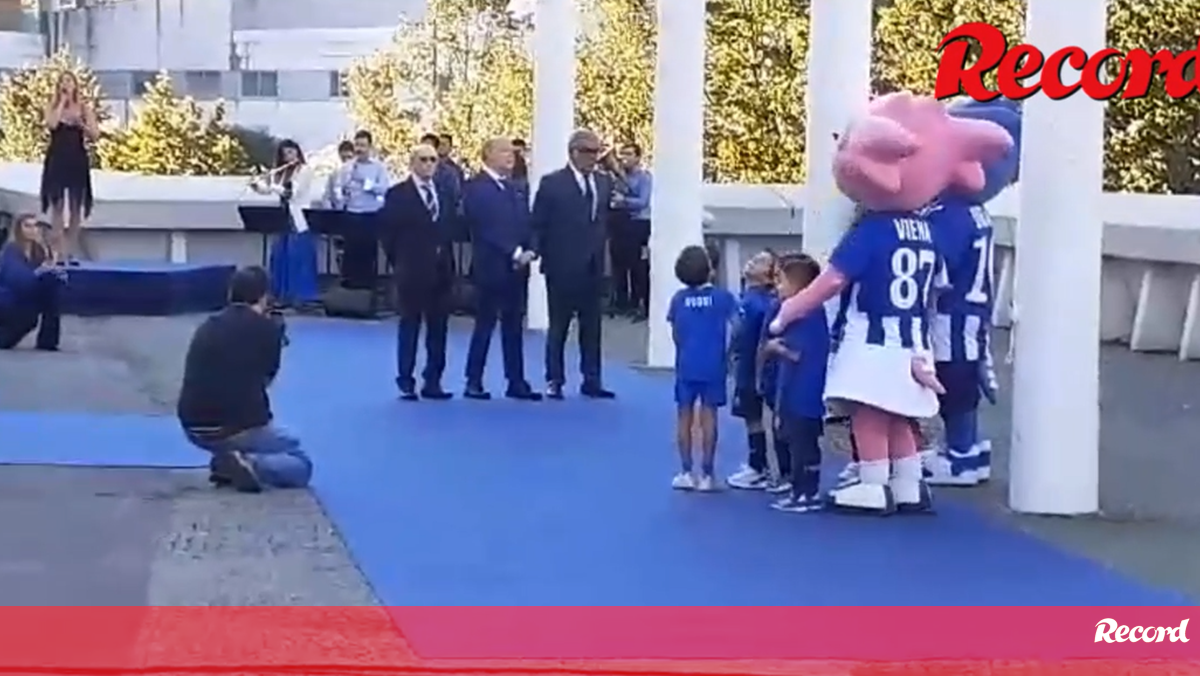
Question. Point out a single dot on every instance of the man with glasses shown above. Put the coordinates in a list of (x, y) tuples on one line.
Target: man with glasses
[(570, 216), (415, 227)]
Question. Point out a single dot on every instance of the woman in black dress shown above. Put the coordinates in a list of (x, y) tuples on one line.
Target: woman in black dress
[(66, 173)]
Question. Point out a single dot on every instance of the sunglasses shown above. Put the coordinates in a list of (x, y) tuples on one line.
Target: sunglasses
[(589, 150), (427, 160)]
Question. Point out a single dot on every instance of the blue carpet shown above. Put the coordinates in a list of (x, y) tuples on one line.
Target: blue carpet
[(506, 503), (94, 440), (567, 503), (145, 288)]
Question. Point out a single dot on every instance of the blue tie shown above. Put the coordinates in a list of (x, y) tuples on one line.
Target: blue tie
[(430, 201)]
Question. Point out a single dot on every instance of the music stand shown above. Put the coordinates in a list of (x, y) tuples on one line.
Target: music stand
[(266, 221), (332, 223), (326, 223)]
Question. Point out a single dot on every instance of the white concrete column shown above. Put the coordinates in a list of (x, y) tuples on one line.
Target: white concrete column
[(677, 204), (1054, 466), (555, 28), (839, 86)]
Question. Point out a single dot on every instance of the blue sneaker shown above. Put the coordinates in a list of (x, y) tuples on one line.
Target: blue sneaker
[(798, 505)]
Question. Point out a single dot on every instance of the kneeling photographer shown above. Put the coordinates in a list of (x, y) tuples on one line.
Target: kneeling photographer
[(224, 406)]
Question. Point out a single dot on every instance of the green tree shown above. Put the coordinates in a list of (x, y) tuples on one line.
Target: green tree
[(615, 74), (173, 136), (24, 95), (754, 124), (1151, 144), (462, 70)]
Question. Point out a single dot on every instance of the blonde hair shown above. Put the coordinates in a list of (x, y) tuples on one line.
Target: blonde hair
[(37, 252)]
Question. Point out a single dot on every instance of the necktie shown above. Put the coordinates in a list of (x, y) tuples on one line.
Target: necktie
[(589, 195), (430, 200)]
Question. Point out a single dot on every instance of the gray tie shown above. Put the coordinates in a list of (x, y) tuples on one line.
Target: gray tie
[(430, 201)]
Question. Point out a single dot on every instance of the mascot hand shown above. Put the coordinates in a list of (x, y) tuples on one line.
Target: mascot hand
[(924, 373)]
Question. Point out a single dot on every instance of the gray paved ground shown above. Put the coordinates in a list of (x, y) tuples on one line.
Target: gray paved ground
[(162, 538)]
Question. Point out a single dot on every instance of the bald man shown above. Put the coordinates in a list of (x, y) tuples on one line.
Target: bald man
[(497, 215), (417, 232)]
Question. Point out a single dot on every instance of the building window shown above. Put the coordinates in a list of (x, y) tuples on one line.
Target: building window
[(337, 85), (203, 84), (142, 79), (260, 84), (116, 84)]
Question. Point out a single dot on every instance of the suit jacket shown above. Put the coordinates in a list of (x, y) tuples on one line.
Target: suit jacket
[(497, 218), (417, 245), (569, 234)]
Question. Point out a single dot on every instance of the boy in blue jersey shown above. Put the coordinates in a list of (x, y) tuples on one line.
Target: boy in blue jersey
[(803, 350), (768, 389), (758, 298), (959, 335), (700, 316)]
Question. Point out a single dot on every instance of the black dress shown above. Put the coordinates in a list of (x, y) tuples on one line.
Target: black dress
[(67, 169)]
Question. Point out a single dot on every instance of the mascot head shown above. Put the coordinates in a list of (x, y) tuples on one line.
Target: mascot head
[(1003, 172), (906, 150)]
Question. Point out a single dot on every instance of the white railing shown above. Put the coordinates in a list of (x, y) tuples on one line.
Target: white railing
[(1151, 287)]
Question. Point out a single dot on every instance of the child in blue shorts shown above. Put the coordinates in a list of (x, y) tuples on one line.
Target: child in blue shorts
[(803, 350), (700, 316)]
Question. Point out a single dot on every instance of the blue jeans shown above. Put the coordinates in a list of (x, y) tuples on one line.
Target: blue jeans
[(275, 456)]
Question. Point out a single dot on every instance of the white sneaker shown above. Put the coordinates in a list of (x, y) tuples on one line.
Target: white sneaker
[(706, 484), (983, 466), (747, 479), (683, 482), (778, 487), (848, 475), (945, 470)]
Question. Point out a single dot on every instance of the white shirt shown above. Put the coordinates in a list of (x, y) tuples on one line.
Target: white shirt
[(495, 177), (585, 181)]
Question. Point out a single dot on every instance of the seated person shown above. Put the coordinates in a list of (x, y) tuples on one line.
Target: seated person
[(224, 407), (30, 287)]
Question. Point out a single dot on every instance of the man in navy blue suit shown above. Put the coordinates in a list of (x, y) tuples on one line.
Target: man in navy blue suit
[(417, 232), (497, 216), (570, 215)]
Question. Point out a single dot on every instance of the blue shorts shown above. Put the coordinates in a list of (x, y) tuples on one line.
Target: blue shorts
[(709, 394), (963, 386)]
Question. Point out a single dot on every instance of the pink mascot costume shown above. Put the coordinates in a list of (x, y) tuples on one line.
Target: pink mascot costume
[(893, 162)]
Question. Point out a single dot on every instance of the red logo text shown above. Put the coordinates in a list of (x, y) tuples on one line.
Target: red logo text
[(1023, 70)]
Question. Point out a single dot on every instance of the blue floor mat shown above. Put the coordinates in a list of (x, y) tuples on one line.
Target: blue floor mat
[(94, 440), (567, 503)]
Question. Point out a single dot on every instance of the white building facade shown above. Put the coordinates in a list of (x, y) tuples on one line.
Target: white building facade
[(277, 64)]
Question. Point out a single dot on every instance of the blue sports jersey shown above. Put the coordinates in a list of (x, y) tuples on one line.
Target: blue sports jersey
[(891, 263), (768, 376), (700, 319), (802, 382), (755, 303), (966, 241)]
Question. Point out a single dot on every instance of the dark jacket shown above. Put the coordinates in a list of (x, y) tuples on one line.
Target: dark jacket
[(568, 236), (417, 245), (497, 217)]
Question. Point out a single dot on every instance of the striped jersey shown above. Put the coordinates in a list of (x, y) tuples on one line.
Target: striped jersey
[(963, 310), (891, 264)]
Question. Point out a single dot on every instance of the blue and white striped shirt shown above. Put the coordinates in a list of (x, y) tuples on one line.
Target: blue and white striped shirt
[(891, 262), (966, 241)]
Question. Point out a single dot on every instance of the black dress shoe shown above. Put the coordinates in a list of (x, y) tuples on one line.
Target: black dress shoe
[(554, 391), (597, 392), (408, 395), (435, 393), (477, 393), (522, 392)]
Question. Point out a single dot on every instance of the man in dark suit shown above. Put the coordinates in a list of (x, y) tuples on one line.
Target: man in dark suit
[(570, 212), (497, 216), (416, 226)]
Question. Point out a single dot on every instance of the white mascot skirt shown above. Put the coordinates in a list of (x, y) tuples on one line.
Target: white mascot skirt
[(877, 375)]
